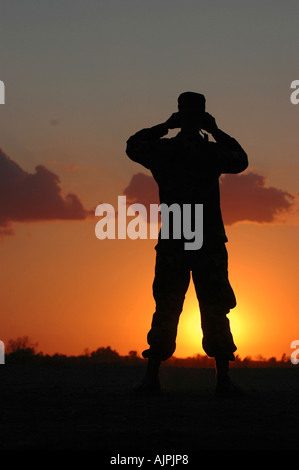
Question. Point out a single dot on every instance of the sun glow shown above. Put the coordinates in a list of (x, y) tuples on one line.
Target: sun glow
[(189, 337)]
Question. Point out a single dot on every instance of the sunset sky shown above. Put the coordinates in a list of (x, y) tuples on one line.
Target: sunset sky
[(80, 78)]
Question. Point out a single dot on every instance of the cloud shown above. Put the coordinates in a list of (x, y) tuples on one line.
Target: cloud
[(143, 189), (244, 197), (31, 197)]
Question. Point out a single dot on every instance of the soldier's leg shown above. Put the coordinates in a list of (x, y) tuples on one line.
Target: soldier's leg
[(216, 298), (169, 288), (171, 282)]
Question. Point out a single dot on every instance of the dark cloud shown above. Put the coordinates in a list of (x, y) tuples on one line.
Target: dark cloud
[(30, 197), (244, 197), (143, 189)]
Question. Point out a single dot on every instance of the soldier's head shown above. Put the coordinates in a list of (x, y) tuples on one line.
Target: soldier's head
[(192, 108)]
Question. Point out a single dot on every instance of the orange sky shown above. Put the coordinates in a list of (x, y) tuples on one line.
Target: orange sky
[(79, 81), (68, 290)]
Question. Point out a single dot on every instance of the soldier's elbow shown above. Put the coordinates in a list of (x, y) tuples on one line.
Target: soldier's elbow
[(244, 162)]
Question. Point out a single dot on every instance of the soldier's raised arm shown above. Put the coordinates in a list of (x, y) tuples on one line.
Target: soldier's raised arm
[(144, 146), (229, 156)]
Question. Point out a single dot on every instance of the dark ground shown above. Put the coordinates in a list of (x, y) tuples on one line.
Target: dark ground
[(90, 407)]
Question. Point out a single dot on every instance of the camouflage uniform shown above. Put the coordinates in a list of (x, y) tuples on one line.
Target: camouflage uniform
[(214, 293), (187, 170)]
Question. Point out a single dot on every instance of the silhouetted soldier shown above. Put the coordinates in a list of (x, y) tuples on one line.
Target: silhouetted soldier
[(187, 168)]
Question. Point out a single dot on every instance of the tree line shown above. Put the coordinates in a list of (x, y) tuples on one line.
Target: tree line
[(23, 351)]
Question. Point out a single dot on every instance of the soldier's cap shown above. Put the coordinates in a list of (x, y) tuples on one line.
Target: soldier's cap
[(190, 100)]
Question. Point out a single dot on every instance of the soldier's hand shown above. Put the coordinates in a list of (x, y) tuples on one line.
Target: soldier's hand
[(174, 121), (209, 123)]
